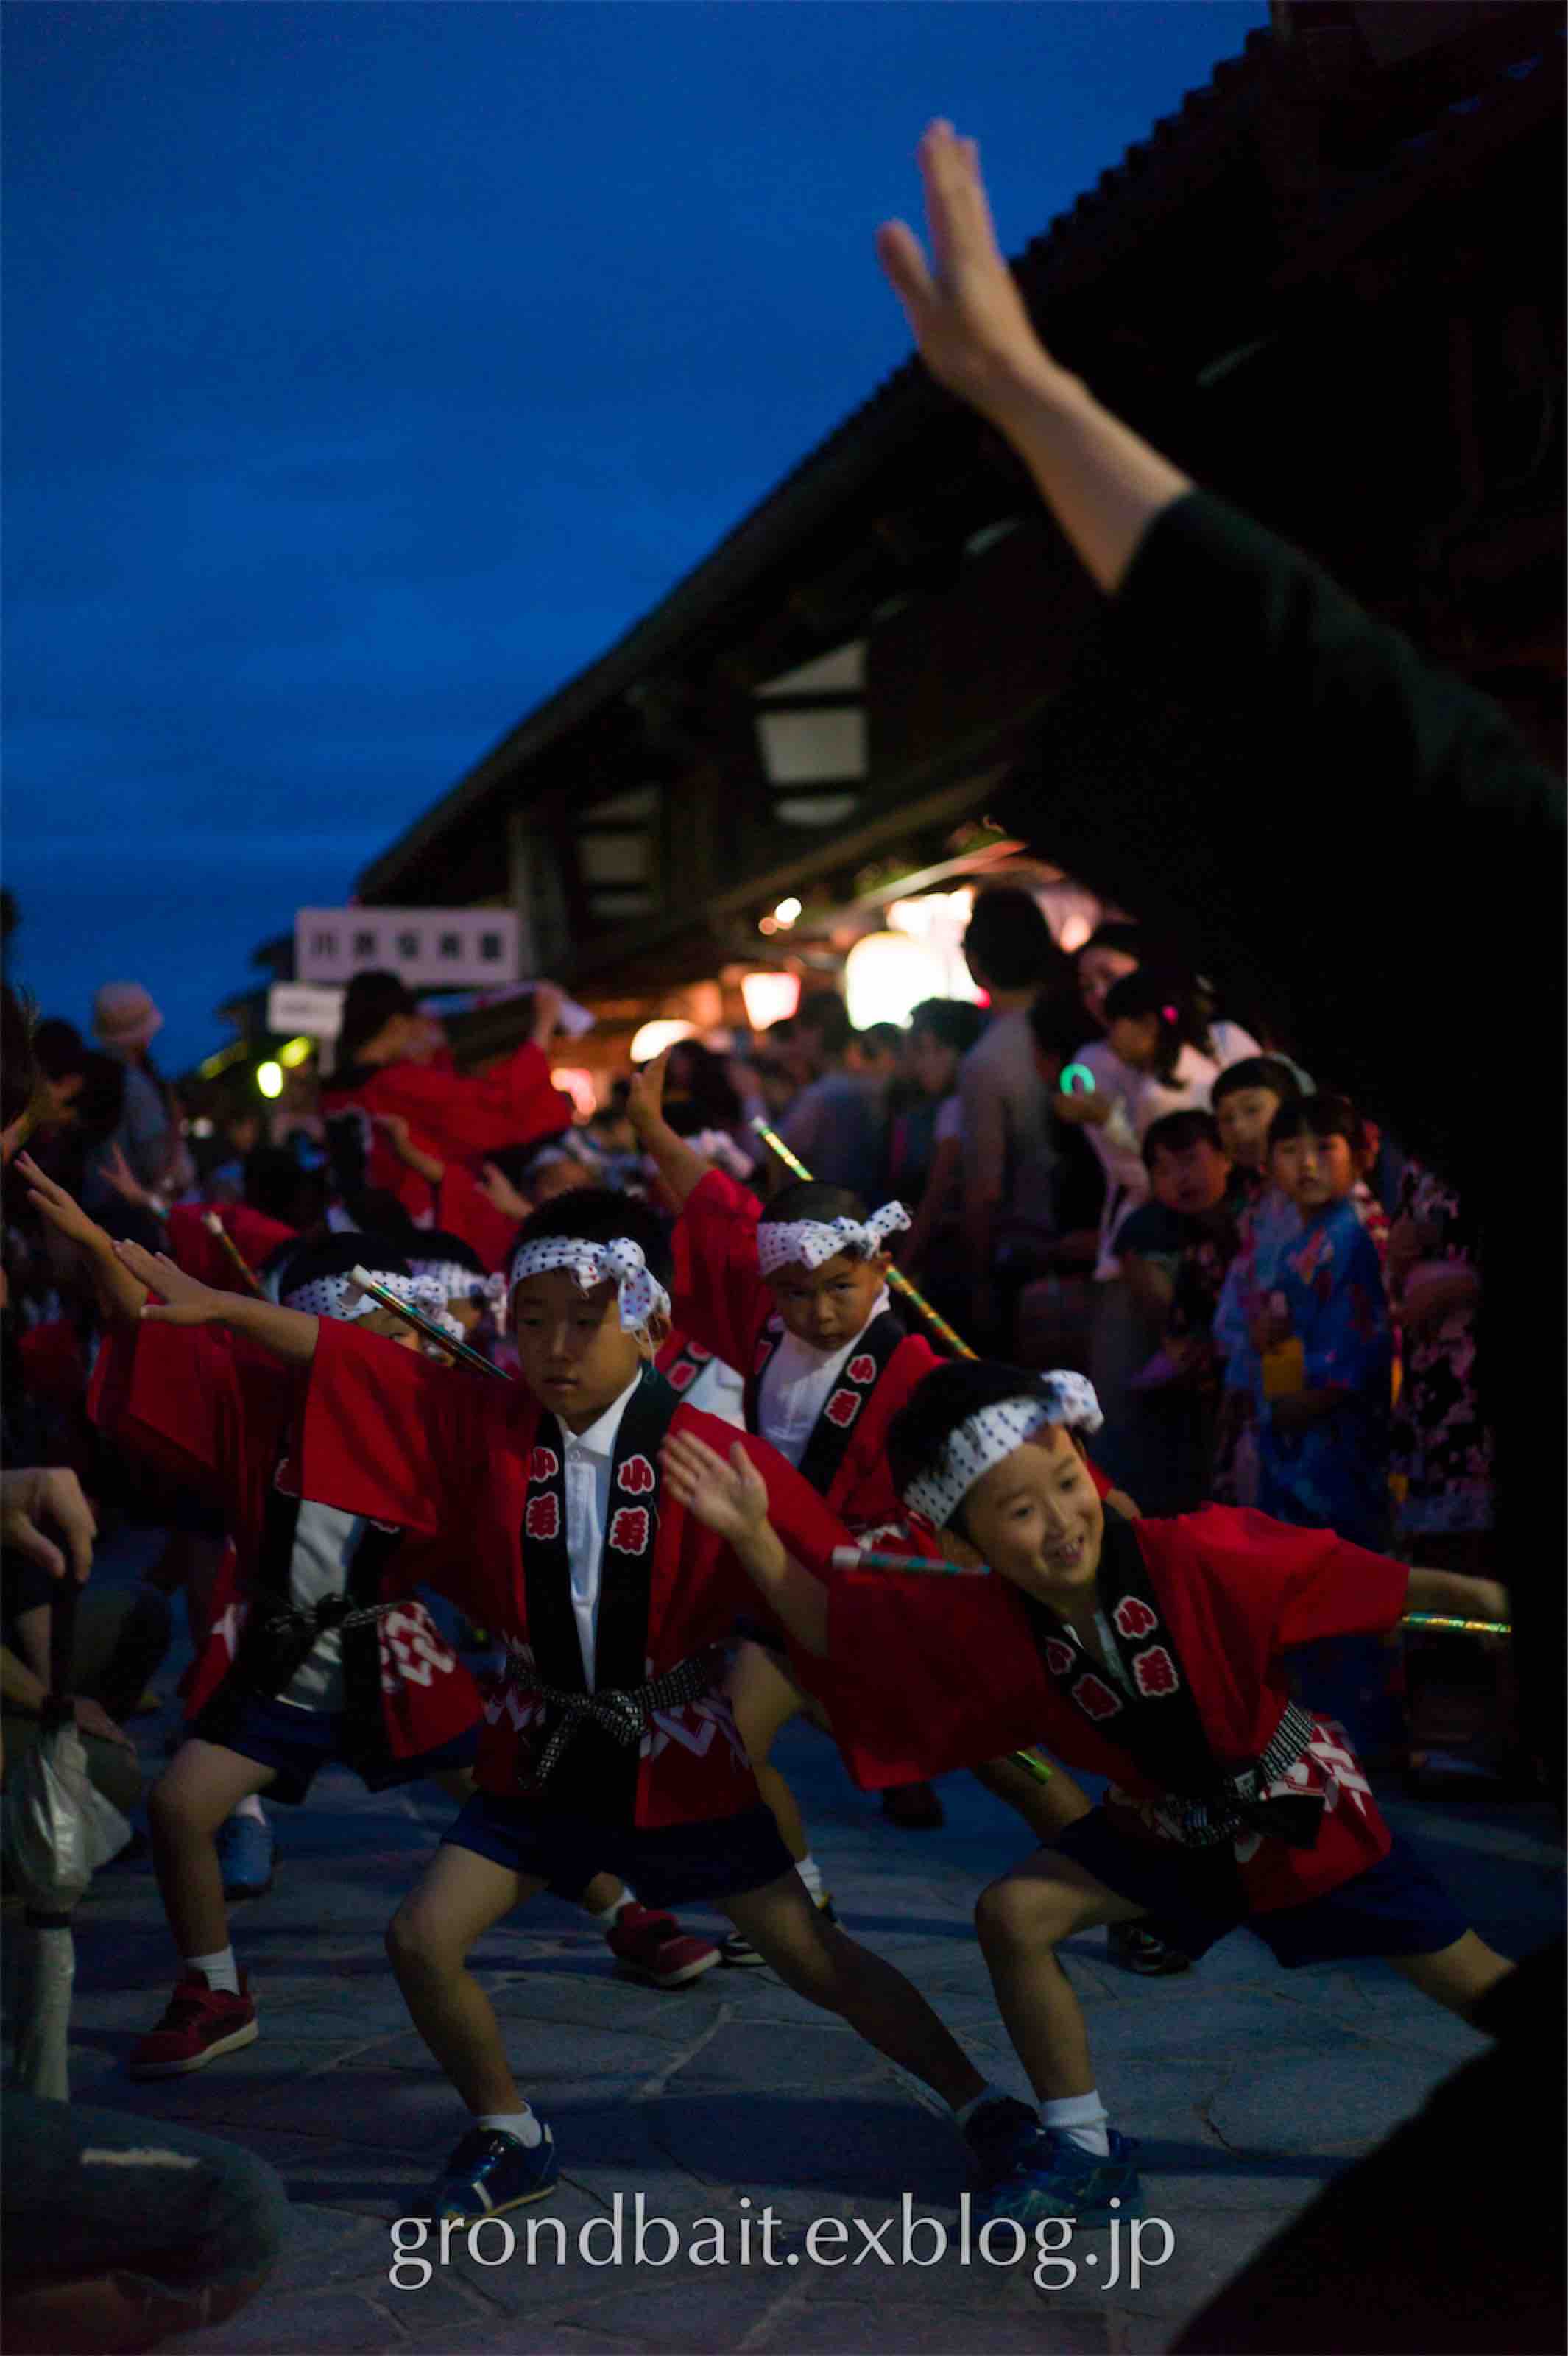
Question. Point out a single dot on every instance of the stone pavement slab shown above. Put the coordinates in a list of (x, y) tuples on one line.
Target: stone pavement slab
[(733, 2102)]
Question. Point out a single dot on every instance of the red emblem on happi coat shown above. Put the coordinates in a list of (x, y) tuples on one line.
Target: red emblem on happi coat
[(695, 1350), (842, 1408), (1154, 1671), (629, 1529), (681, 1376), (1133, 1618), (1058, 1655), (636, 1477), (1094, 1697), (543, 1464), (862, 1369), (542, 1519)]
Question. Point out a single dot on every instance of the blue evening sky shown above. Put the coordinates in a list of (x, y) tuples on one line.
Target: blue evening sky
[(369, 368)]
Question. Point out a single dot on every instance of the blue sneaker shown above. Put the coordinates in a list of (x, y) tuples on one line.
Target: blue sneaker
[(1040, 2174), (246, 1851), (491, 2170)]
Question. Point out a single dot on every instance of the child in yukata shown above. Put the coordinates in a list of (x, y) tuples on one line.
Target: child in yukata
[(1148, 1651)]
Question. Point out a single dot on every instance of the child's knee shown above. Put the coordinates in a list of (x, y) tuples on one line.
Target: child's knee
[(416, 1947), (179, 1815), (1022, 1910)]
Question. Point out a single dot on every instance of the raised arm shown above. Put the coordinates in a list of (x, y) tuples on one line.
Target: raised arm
[(288, 1333), (1456, 1596), (679, 1165), (1103, 485), (120, 1293), (731, 1500)]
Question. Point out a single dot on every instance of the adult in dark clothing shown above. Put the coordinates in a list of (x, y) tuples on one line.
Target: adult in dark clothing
[(1228, 659)]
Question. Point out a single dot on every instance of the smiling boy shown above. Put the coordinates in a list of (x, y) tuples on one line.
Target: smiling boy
[(1149, 1652)]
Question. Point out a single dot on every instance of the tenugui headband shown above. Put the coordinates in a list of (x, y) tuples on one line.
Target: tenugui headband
[(459, 1283), (640, 1294), (811, 1243), (340, 1297), (990, 1435)]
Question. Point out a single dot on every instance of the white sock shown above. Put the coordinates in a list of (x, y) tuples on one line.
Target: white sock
[(250, 1807), (810, 1873), (219, 1969), (611, 1915), (521, 2124), (1080, 2119), (989, 2093)]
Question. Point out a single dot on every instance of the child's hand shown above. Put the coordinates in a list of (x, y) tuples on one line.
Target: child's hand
[(124, 1179), (1267, 1330), (1081, 1111), (92, 1718), (62, 1211), (731, 1500), (35, 1495), (964, 308), (498, 1190), (185, 1301), (645, 1100)]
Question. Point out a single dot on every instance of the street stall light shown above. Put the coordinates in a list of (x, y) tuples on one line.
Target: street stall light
[(655, 1037), (270, 1078), (769, 998), (887, 975), (293, 1053)]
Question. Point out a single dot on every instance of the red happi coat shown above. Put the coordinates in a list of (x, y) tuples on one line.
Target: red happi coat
[(386, 1432), (462, 1208), (221, 1418), (961, 1674), (196, 1249), (455, 1116), (722, 1302)]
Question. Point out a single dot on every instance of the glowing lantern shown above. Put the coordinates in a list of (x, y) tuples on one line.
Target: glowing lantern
[(269, 1080), (887, 974), (769, 998), (655, 1037)]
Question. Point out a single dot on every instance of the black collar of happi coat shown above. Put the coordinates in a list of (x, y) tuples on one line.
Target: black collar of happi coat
[(603, 1774), (831, 1435), (1156, 1723)]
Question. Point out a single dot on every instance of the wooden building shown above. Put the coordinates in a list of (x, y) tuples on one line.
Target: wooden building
[(1331, 285)]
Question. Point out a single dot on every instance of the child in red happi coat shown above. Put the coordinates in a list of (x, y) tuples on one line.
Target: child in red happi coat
[(609, 1742), (1150, 1651)]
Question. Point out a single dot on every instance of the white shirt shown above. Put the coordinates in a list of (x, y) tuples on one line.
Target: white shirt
[(798, 1384), (325, 1543), (718, 1390), (587, 1457)]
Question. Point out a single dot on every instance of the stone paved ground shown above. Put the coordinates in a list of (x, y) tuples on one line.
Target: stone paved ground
[(1248, 2088)]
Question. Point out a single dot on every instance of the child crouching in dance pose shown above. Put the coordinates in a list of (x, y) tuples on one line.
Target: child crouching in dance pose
[(1146, 1651), (610, 1742)]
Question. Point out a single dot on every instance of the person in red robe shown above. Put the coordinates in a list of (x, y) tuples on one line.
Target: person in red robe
[(795, 1298), (609, 1742), (389, 1062), (1148, 1651)]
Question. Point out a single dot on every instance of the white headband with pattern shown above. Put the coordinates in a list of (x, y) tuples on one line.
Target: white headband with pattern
[(339, 1297), (811, 1243), (459, 1283), (990, 1437), (640, 1294)]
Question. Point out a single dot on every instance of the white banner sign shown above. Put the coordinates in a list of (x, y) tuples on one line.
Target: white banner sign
[(455, 949), (305, 1011)]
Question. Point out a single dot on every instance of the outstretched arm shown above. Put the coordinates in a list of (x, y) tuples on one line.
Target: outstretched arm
[(119, 1294), (1454, 1595), (1103, 485), (288, 1333), (731, 1500)]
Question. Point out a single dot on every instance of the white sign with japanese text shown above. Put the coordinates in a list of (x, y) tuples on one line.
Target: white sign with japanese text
[(455, 948)]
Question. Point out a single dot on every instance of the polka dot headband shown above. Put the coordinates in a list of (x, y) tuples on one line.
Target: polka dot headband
[(456, 1283), (811, 1243), (620, 1263), (339, 1297), (990, 1437)]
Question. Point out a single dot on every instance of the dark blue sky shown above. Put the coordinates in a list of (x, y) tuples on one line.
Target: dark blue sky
[(369, 368)]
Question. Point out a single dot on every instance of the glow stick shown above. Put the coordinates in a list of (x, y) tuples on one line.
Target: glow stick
[(423, 1324), (216, 1227), (898, 1280), (1078, 1072)]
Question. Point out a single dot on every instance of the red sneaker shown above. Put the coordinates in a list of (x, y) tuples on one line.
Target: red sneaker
[(201, 2023), (654, 1947)]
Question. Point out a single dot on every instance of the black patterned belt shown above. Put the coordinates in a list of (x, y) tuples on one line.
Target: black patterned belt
[(1240, 1803), (622, 1712)]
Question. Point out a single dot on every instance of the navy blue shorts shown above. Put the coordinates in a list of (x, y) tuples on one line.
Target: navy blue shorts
[(296, 1742), (668, 1865), (1395, 1908)]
